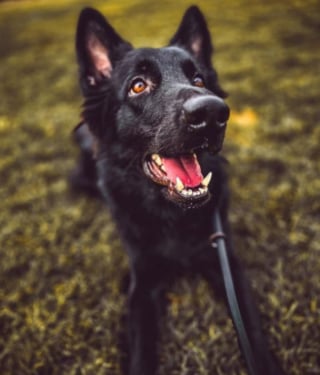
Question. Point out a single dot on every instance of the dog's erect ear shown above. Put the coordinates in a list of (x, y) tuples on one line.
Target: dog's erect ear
[(98, 46), (193, 35)]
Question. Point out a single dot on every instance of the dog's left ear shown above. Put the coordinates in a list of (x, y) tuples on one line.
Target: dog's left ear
[(194, 36)]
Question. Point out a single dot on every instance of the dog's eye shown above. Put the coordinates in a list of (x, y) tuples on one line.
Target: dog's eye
[(198, 81), (137, 86)]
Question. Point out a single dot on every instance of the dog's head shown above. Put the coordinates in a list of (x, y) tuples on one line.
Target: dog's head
[(156, 109)]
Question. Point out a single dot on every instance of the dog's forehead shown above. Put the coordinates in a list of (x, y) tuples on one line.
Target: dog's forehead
[(173, 54), (163, 58)]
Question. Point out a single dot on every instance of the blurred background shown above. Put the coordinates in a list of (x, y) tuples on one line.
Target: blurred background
[(61, 263)]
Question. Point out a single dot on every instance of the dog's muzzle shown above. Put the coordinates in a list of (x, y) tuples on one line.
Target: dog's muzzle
[(202, 122)]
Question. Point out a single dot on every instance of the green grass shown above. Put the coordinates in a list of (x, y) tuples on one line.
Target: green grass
[(62, 264)]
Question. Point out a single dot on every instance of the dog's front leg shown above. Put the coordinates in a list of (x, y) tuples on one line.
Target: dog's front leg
[(143, 321)]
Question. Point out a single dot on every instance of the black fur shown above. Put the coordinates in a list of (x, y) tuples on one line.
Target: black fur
[(179, 111)]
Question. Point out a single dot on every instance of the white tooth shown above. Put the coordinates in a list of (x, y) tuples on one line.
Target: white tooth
[(179, 185), (154, 156), (201, 190), (157, 159), (184, 192), (163, 168), (189, 192), (206, 181)]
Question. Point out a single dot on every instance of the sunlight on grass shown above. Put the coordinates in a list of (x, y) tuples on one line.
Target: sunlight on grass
[(242, 127)]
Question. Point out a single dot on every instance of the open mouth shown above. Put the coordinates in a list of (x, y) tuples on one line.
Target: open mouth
[(182, 176)]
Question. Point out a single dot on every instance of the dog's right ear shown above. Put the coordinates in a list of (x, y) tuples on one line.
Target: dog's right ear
[(193, 35), (98, 46)]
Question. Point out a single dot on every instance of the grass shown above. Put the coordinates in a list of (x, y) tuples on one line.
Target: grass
[(62, 265)]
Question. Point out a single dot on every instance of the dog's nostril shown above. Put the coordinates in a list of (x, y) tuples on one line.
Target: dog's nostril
[(195, 111), (196, 119), (222, 115)]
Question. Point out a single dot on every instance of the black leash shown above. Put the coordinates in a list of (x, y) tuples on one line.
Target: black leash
[(217, 240)]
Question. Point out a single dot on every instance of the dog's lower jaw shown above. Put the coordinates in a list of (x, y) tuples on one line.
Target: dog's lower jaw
[(186, 203)]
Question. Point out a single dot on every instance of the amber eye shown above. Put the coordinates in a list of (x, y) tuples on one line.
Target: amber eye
[(198, 81), (137, 86)]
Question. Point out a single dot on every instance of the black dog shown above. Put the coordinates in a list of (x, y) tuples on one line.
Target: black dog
[(153, 123)]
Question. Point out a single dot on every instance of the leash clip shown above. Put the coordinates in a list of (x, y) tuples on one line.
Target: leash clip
[(216, 236)]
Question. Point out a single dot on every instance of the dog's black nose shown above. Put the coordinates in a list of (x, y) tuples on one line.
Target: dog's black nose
[(204, 110)]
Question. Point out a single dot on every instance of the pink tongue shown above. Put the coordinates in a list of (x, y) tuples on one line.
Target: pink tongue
[(186, 168)]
